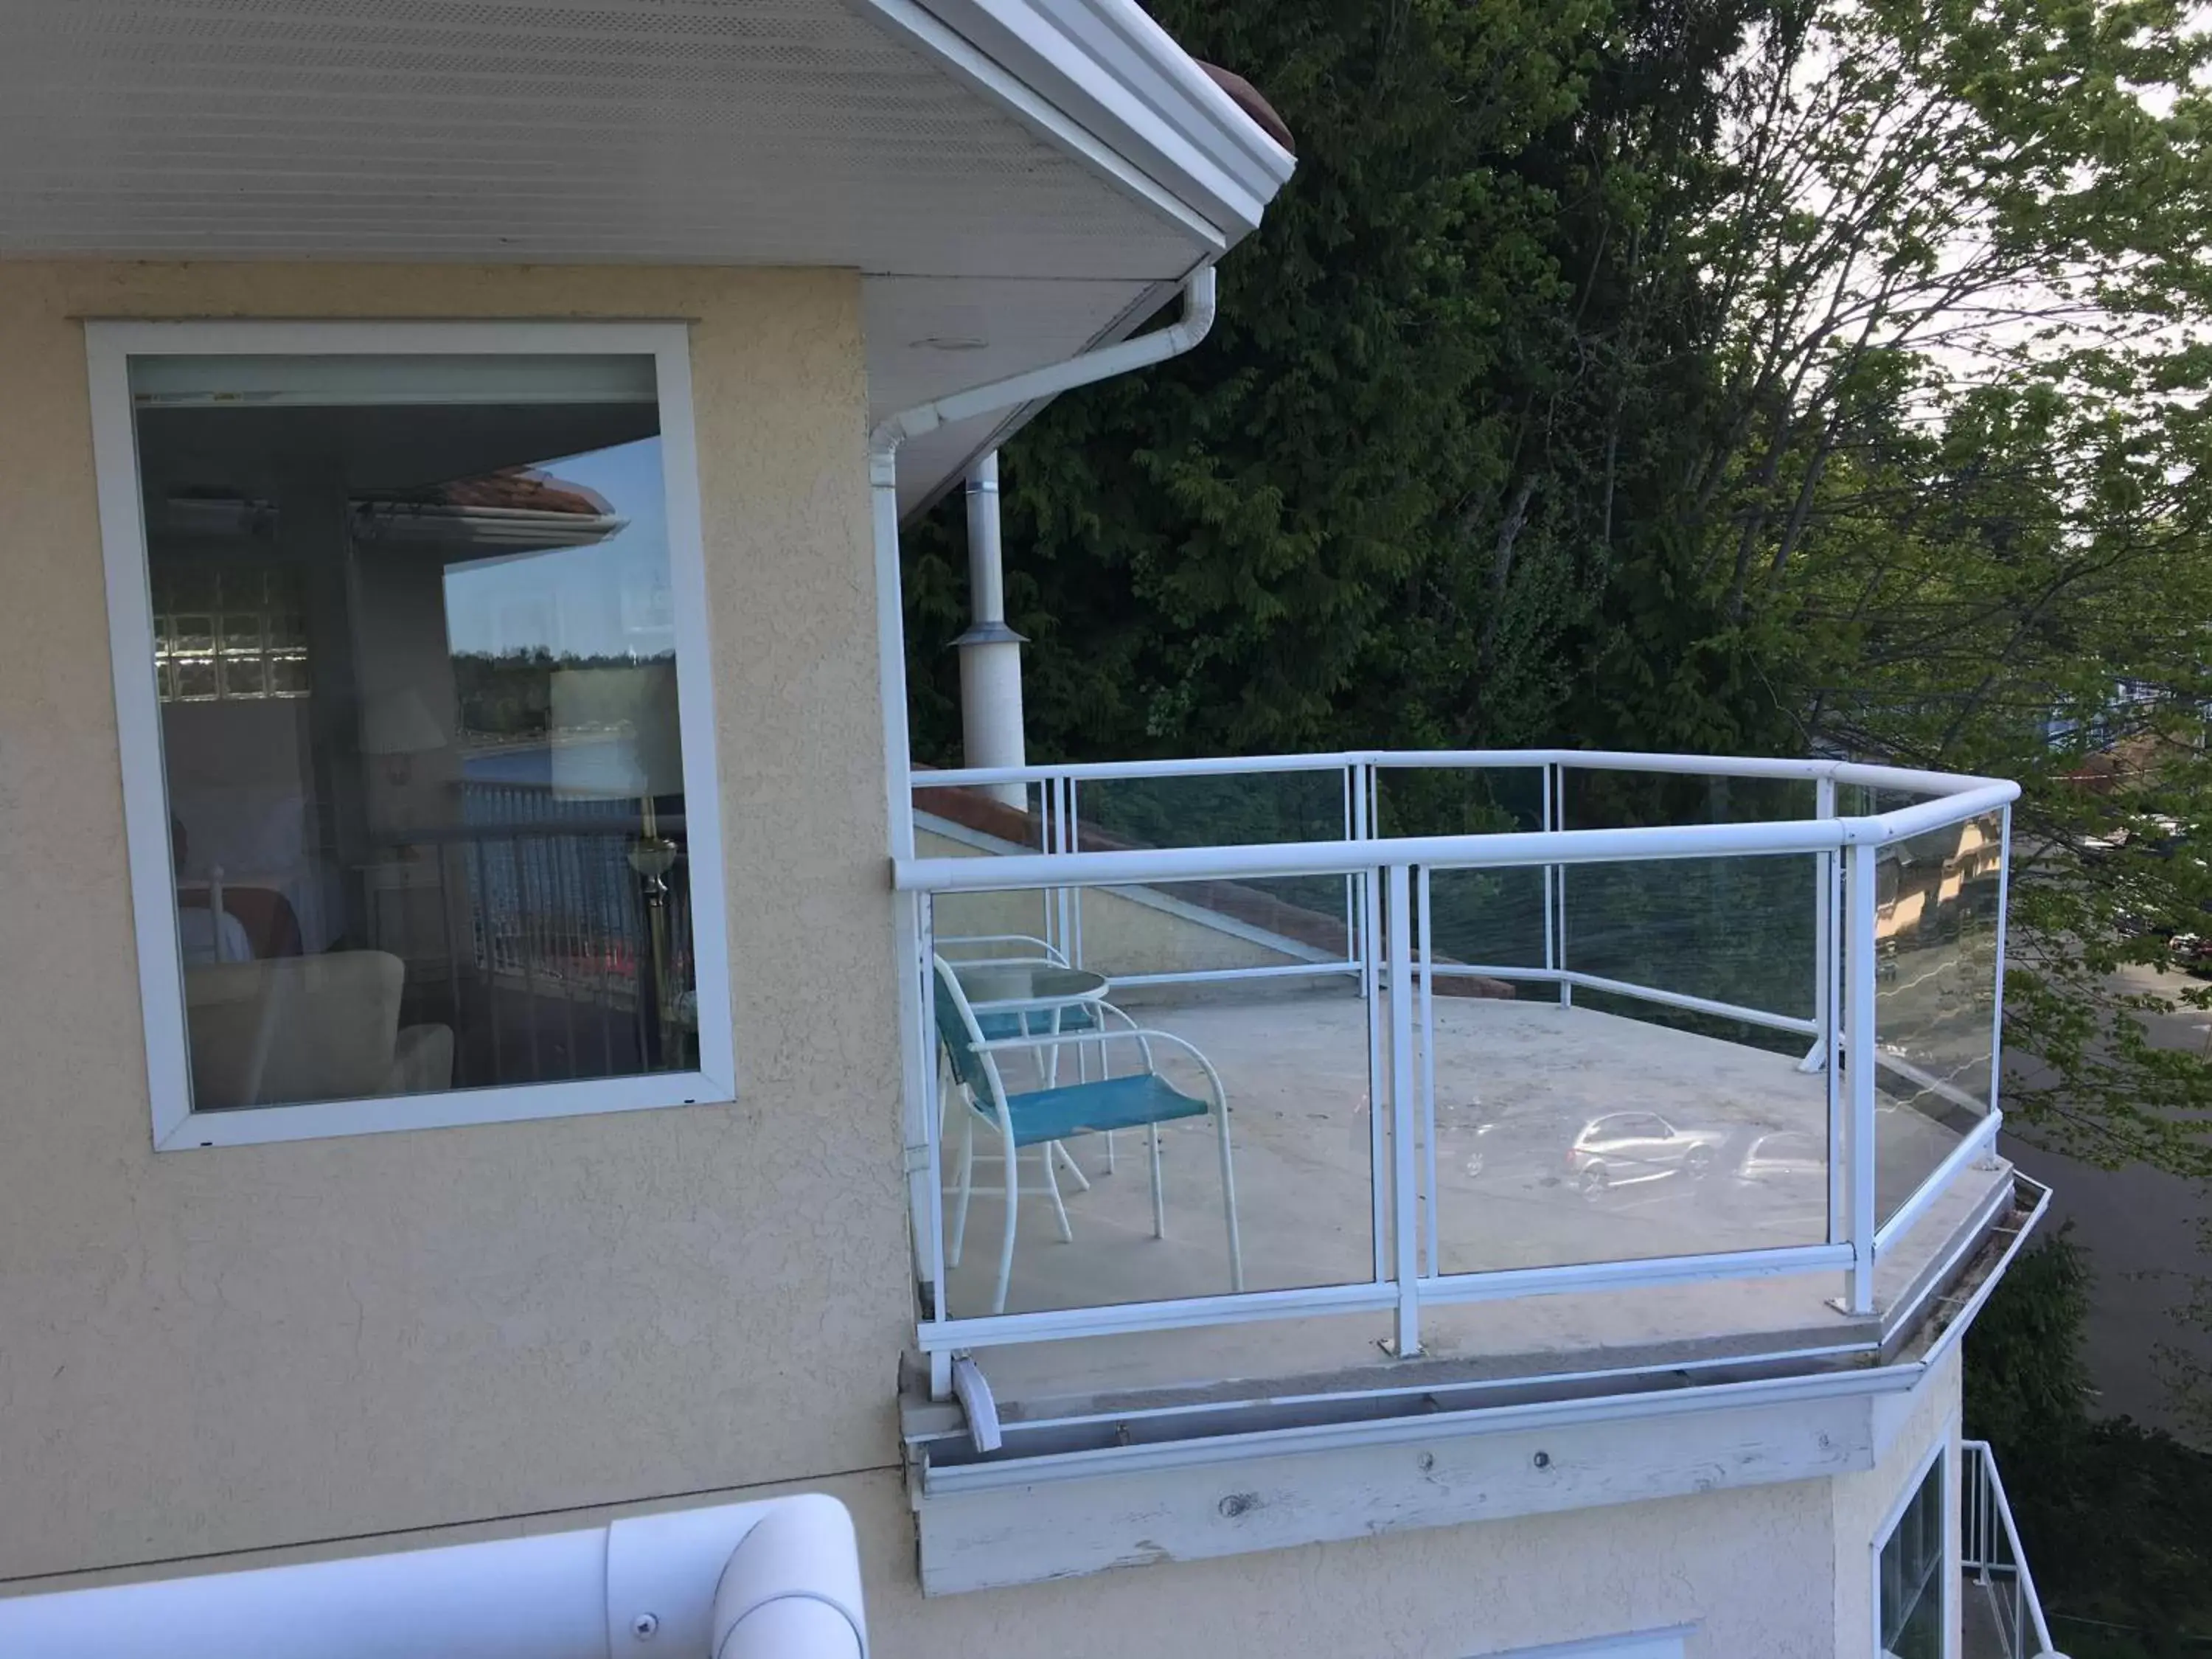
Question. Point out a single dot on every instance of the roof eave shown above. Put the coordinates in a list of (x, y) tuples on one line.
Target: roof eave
[(1120, 78)]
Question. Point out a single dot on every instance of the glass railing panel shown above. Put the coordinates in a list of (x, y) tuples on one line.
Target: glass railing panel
[(1619, 1129), (1738, 931), (1482, 919), (1601, 798), (983, 820), (1936, 921), (1239, 809)]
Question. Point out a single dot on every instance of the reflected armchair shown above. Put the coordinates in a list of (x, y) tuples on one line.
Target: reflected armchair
[(298, 1029)]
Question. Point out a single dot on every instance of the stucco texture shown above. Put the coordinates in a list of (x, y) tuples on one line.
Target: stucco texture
[(1747, 1570), (219, 1350), (1864, 1502)]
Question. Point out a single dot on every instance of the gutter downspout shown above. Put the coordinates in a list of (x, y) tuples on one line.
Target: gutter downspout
[(1105, 363)]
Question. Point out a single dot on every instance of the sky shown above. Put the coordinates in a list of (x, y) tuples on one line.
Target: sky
[(608, 600)]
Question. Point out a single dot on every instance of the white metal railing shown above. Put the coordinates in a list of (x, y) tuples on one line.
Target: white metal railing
[(1989, 1553), (1058, 851), (777, 1579)]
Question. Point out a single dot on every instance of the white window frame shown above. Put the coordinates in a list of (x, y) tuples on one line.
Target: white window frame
[(1947, 1570), (109, 347)]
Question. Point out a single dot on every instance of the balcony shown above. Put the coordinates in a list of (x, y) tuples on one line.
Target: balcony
[(2002, 1617), (1494, 1066)]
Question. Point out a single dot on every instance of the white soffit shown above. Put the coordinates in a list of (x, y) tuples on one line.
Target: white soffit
[(698, 131), (1018, 180)]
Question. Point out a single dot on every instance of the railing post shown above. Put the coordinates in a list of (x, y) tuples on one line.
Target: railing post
[(915, 923), (1859, 1150), (1555, 883), (1824, 937), (1428, 1096), (1404, 1219), (1370, 993), (1827, 1012)]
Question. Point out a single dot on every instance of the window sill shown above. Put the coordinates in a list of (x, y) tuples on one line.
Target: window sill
[(454, 1109)]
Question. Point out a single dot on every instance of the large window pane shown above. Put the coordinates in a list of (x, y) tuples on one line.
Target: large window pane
[(414, 648), (1912, 1575)]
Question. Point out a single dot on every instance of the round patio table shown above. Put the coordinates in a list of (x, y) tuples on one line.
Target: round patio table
[(1027, 988)]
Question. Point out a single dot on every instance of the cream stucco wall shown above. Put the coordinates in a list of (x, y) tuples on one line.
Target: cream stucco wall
[(214, 1350), (1747, 1570), (1864, 1502)]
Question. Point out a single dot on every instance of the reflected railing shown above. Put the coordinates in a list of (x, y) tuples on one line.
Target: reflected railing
[(545, 943), (1748, 929)]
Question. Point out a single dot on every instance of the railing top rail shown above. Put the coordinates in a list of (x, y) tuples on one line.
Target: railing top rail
[(1904, 779), (1148, 865)]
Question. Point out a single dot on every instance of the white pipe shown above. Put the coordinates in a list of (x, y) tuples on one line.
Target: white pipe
[(918, 1052), (990, 652), (539, 1598), (986, 578), (791, 1590), (698, 1580)]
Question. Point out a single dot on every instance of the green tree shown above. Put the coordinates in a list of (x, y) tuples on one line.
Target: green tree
[(1445, 405)]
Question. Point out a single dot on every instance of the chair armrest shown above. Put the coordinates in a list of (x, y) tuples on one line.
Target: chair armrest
[(1143, 1035)]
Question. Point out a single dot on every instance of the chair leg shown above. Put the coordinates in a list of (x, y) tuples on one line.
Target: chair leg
[(1229, 1197), (967, 1186), (1082, 1181), (1083, 1074), (1159, 1192), (1012, 1189), (1052, 1187)]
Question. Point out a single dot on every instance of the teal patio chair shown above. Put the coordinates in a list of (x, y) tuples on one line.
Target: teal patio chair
[(999, 950), (1044, 1117)]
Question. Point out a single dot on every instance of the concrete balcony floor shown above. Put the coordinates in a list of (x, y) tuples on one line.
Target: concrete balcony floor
[(1294, 1067)]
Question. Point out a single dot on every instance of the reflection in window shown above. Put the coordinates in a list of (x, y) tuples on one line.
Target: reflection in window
[(227, 631), (453, 854), (1912, 1575)]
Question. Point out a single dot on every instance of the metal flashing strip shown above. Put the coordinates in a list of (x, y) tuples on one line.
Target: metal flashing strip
[(948, 1478), (1030, 67), (1843, 1373), (1108, 66), (1912, 1323)]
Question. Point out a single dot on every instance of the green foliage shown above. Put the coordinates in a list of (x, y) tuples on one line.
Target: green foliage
[(1451, 387), (511, 694), (1751, 375), (2116, 1519)]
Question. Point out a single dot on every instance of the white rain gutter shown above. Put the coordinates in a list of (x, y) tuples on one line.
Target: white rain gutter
[(1032, 386), (1102, 363), (773, 1580)]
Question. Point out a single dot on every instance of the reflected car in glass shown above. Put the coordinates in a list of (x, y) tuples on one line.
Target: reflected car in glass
[(1630, 1149)]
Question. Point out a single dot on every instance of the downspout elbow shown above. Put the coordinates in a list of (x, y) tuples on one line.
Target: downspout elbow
[(1198, 312), (1179, 337)]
